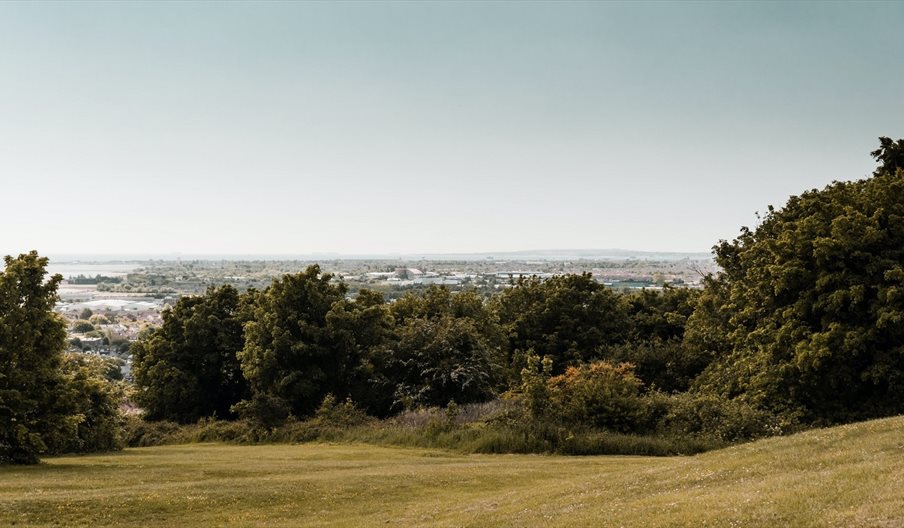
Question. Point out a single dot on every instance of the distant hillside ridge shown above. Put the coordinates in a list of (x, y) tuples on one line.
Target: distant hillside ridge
[(532, 254)]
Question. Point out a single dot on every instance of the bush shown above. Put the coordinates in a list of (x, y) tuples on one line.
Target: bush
[(345, 414), (138, 432), (263, 410), (212, 430), (91, 401), (599, 394), (504, 428), (716, 418)]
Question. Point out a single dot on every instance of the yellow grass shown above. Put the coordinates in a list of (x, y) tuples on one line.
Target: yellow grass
[(844, 476)]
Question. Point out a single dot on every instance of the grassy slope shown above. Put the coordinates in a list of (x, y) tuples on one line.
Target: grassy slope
[(844, 476)]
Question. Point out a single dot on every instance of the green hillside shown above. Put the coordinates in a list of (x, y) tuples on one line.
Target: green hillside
[(844, 476)]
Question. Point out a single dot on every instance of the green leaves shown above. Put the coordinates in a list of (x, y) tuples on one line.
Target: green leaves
[(31, 342), (188, 369), (569, 318), (288, 351), (815, 300)]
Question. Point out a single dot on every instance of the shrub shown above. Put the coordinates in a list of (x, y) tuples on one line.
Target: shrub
[(344, 414), (212, 430), (535, 385), (138, 432), (599, 394), (716, 418), (263, 410)]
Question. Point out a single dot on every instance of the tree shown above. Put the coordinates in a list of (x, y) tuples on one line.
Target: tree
[(813, 304), (189, 368), (98, 319), (657, 348), (890, 154), (362, 333), (569, 318), (448, 347), (436, 301), (32, 338), (289, 354), (660, 314), (82, 326), (93, 397), (668, 366), (441, 359)]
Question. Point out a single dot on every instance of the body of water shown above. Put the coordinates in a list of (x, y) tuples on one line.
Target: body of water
[(73, 269)]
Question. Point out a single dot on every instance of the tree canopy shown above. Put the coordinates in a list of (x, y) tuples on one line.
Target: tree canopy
[(569, 318), (33, 415), (289, 353), (188, 368), (812, 303)]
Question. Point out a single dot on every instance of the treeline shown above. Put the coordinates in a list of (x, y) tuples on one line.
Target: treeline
[(803, 326), (265, 355), (97, 279)]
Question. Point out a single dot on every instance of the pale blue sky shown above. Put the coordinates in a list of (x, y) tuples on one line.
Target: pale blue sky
[(429, 127)]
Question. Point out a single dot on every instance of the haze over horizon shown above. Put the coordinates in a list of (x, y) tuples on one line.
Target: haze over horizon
[(536, 254), (380, 128)]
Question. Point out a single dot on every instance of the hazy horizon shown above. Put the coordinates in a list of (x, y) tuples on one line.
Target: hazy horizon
[(429, 128), (536, 254)]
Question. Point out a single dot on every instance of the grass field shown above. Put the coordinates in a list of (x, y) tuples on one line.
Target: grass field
[(844, 476)]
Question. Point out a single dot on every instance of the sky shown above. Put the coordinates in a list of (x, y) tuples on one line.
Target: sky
[(299, 128)]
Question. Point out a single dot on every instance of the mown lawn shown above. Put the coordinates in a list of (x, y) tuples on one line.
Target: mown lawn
[(844, 476)]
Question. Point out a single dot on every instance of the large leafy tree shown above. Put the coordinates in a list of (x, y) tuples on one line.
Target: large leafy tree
[(448, 347), (33, 413), (361, 335), (188, 369), (290, 356), (439, 301), (569, 318), (441, 359), (811, 303)]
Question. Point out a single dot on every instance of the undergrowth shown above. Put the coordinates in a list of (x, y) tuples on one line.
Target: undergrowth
[(494, 427)]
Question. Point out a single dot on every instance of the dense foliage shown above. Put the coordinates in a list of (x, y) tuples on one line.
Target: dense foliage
[(289, 352), (93, 398), (569, 318), (188, 369), (809, 306), (31, 342), (599, 394), (46, 404), (446, 349)]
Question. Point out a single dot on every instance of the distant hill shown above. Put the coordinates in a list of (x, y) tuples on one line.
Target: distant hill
[(586, 254), (534, 254)]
